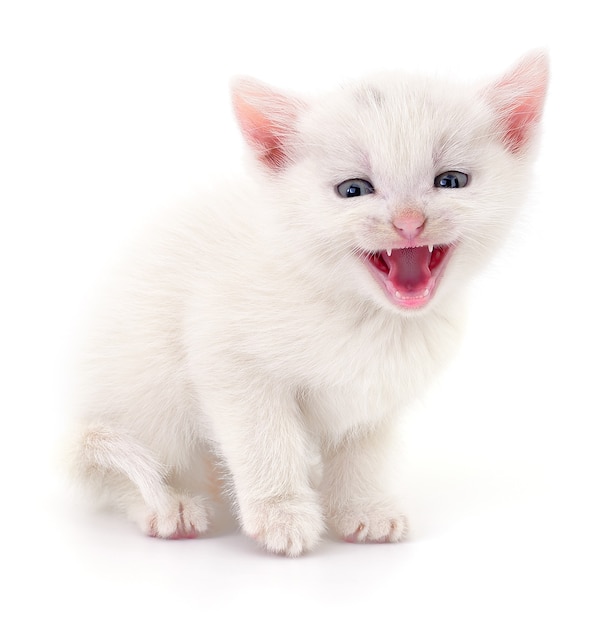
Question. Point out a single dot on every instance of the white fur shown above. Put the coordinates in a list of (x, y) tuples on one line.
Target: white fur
[(245, 338)]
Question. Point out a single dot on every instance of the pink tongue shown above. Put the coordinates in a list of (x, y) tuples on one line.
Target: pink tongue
[(409, 268)]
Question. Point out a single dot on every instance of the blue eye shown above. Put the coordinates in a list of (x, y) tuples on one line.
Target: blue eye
[(354, 187), (451, 180)]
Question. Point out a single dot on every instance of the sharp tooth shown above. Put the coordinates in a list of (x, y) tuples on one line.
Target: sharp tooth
[(389, 251), (430, 248)]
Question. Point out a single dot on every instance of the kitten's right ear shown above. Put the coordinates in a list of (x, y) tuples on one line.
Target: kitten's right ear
[(267, 119)]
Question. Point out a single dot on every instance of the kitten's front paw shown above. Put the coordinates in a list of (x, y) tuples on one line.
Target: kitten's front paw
[(288, 526), (379, 523)]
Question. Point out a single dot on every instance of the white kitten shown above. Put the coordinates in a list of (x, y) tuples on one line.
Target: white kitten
[(294, 316)]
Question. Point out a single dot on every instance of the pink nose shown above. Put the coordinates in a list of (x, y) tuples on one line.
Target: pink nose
[(409, 224)]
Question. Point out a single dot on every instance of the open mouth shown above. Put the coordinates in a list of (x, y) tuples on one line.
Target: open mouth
[(409, 276)]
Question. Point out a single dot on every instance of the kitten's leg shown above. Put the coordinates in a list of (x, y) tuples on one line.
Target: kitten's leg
[(129, 476), (262, 440), (361, 505)]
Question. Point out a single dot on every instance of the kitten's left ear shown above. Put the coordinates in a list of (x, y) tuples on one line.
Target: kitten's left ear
[(518, 98), (267, 119)]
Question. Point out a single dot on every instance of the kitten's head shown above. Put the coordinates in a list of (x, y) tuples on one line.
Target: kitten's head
[(402, 186)]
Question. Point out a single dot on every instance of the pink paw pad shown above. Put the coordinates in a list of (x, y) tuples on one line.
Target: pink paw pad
[(180, 533), (185, 534)]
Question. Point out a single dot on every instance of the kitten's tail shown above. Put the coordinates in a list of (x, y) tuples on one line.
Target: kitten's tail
[(101, 455)]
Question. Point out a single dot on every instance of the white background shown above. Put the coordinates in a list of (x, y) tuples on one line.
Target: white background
[(110, 111)]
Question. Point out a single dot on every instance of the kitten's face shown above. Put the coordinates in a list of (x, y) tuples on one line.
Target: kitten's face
[(412, 183), (407, 186)]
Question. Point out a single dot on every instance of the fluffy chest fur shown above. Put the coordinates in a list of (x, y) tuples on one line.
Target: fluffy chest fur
[(350, 364)]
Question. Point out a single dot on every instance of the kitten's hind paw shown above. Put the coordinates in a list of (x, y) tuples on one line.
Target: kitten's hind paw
[(371, 524), (182, 517), (288, 526)]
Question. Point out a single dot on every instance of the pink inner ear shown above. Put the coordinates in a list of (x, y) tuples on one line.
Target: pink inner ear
[(520, 119), (266, 119), (519, 98), (260, 134)]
